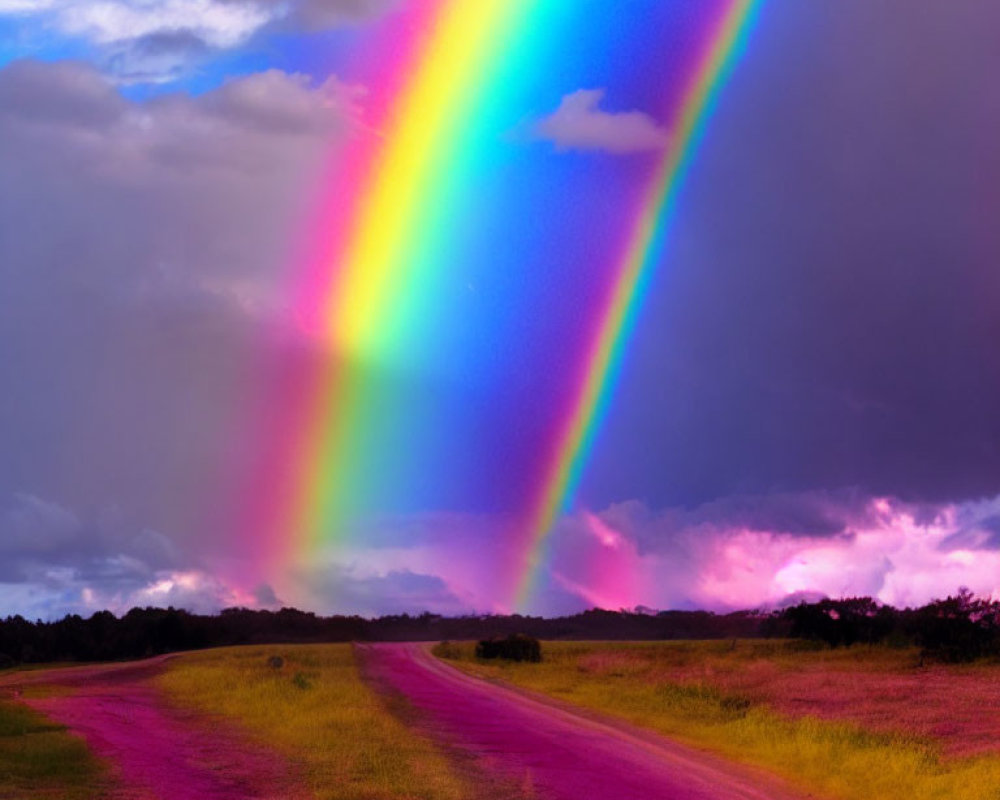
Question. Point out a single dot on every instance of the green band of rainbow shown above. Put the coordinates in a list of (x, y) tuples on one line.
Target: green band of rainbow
[(604, 357)]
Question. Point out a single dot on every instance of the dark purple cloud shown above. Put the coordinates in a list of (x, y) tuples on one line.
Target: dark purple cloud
[(825, 314)]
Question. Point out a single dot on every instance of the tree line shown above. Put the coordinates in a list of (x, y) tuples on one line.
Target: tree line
[(146, 632), (962, 627)]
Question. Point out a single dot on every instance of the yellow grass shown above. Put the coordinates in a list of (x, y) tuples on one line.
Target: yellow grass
[(317, 711), (835, 759)]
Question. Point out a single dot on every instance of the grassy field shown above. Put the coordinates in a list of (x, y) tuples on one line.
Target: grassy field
[(318, 712), (734, 698), (41, 761)]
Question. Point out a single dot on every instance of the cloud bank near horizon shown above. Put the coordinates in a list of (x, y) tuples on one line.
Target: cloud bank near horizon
[(739, 553)]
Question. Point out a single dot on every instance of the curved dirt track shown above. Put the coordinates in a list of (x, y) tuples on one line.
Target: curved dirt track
[(549, 750), (156, 752)]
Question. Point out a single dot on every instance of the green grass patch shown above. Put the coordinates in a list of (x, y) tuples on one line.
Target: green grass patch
[(39, 760), (835, 759), (315, 709)]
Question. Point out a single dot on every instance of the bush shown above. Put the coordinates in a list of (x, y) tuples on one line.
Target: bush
[(851, 620), (448, 650), (516, 647), (959, 628)]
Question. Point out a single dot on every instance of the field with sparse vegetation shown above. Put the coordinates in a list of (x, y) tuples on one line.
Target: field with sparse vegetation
[(309, 703), (39, 760), (849, 723)]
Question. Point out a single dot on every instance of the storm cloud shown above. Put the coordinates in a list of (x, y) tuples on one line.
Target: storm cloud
[(140, 246), (825, 314)]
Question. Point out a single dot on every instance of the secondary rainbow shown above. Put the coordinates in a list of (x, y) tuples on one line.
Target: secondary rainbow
[(602, 363)]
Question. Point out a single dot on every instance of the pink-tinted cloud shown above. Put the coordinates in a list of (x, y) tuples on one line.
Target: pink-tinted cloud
[(898, 553), (719, 557), (729, 554)]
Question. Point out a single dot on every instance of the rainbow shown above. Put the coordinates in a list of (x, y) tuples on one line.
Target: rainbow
[(603, 358), (373, 260), (379, 270), (444, 79)]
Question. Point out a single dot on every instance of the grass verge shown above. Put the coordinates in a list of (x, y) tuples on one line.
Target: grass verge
[(836, 759), (316, 710), (39, 760)]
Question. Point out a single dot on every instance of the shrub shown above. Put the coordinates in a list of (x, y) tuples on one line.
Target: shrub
[(516, 647), (959, 628), (448, 650), (844, 622)]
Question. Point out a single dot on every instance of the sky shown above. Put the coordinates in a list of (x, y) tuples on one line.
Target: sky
[(806, 404)]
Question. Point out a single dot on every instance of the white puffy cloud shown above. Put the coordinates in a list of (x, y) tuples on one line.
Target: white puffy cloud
[(219, 23), (107, 21), (156, 41), (26, 6), (580, 124)]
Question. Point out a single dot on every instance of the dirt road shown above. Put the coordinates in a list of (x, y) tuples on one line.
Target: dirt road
[(554, 753), (156, 752), (544, 750)]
